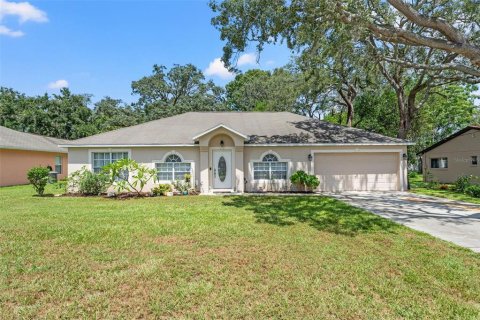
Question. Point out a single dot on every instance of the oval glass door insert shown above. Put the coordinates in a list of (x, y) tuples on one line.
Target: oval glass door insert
[(222, 168)]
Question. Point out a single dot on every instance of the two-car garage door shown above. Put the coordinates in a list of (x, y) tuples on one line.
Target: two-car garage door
[(357, 171)]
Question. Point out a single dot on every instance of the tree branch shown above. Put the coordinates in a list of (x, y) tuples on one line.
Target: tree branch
[(438, 24), (455, 42), (438, 67)]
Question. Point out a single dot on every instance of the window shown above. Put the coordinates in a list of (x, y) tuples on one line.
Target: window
[(439, 163), (269, 168), (58, 164), (474, 160), (101, 159), (172, 169)]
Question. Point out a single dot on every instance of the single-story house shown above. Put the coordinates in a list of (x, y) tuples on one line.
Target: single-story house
[(20, 151), (250, 151), (453, 157)]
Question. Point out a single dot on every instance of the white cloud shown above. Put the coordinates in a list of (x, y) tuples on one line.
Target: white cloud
[(217, 68), (11, 33), (24, 10), (58, 84), (247, 59)]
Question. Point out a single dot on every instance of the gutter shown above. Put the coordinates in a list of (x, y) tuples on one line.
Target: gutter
[(246, 145)]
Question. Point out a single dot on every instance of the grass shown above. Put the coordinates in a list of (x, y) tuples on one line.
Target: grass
[(417, 186), (238, 257)]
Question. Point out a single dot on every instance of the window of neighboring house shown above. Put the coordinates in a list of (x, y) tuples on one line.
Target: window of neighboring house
[(173, 168), (439, 163), (101, 159), (474, 160), (58, 164), (269, 168)]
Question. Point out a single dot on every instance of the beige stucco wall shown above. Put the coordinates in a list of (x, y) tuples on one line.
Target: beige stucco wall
[(14, 164), (244, 156), (298, 160), (213, 140), (148, 156), (458, 151)]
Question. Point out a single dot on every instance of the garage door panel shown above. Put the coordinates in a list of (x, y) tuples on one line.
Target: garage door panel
[(357, 171)]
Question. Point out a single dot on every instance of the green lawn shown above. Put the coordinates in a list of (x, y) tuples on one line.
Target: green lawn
[(417, 186), (223, 257)]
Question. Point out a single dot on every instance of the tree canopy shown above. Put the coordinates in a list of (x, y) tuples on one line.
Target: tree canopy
[(413, 47), (180, 89)]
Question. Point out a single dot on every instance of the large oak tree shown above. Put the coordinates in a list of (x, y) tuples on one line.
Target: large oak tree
[(440, 39)]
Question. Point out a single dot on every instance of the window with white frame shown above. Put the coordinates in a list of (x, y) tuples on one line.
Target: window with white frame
[(439, 163), (269, 168), (173, 168), (101, 159), (58, 164)]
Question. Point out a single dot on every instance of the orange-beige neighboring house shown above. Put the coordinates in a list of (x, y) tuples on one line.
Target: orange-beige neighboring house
[(455, 156), (20, 151)]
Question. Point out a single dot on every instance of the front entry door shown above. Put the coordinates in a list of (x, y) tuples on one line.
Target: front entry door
[(222, 169)]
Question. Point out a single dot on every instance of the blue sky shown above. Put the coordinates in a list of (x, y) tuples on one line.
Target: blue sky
[(100, 47)]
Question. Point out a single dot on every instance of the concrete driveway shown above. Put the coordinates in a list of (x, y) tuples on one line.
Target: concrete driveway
[(455, 221)]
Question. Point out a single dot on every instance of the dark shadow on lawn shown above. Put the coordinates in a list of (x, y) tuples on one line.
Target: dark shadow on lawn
[(322, 213)]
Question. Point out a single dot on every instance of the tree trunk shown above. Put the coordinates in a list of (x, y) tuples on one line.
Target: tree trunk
[(405, 120), (348, 100), (349, 114)]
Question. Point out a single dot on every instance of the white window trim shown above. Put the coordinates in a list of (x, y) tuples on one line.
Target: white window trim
[(280, 159), (92, 151), (191, 162), (61, 164)]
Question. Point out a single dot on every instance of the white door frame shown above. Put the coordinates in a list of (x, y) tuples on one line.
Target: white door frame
[(232, 169)]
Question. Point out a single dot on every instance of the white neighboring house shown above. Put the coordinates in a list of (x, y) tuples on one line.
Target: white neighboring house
[(250, 152)]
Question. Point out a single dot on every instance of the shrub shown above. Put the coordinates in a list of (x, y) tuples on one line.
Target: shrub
[(162, 189), (120, 170), (181, 186), (462, 183), (92, 183), (412, 174), (473, 190), (38, 177), (308, 181), (62, 184)]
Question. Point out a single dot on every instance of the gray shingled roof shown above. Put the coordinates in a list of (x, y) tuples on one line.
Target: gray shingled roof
[(260, 127), (11, 139)]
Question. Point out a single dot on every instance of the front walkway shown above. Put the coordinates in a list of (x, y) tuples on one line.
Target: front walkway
[(455, 221)]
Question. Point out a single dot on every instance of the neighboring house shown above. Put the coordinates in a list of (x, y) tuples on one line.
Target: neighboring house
[(452, 157), (20, 151), (250, 151)]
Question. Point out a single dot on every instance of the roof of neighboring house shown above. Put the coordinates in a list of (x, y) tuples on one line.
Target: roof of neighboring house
[(258, 127), (12, 139), (456, 134)]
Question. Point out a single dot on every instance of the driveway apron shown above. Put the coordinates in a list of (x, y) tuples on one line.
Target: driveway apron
[(455, 221)]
